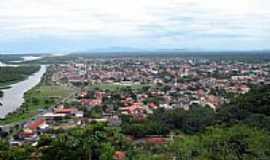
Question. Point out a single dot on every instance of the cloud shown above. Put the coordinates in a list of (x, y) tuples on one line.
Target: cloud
[(159, 23)]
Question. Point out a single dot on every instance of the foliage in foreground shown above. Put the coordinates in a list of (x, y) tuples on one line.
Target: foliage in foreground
[(230, 134), (233, 143), (99, 142)]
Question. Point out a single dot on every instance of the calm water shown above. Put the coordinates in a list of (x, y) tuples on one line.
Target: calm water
[(27, 58), (13, 97)]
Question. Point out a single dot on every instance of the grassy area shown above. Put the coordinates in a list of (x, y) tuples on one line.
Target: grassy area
[(40, 97), (49, 91), (117, 87)]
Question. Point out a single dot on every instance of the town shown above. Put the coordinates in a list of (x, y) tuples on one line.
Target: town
[(109, 90)]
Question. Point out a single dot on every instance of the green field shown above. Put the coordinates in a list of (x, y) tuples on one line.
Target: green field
[(40, 97), (117, 87), (49, 91)]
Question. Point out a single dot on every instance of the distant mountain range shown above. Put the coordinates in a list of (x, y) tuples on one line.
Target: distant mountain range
[(134, 51), (130, 50)]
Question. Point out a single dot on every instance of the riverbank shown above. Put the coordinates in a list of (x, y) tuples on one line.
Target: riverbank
[(38, 99), (12, 75), (2, 88)]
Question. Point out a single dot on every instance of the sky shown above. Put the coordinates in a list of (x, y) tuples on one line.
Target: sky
[(63, 26)]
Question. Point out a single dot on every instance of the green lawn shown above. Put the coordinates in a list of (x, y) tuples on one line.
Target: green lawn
[(117, 87), (40, 97), (49, 91)]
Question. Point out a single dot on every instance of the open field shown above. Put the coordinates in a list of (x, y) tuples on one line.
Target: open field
[(117, 87)]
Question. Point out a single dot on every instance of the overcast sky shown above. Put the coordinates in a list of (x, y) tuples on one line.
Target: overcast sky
[(85, 25)]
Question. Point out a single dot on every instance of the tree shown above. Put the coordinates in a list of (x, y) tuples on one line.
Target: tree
[(15, 153), (35, 100), (235, 143), (95, 112), (251, 108), (107, 151), (196, 119), (95, 141)]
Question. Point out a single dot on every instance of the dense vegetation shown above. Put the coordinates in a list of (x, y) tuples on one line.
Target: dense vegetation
[(252, 109), (97, 141), (91, 142), (10, 75), (162, 122), (238, 131), (238, 142)]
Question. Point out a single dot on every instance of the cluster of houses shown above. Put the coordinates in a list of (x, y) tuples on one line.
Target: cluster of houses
[(58, 116), (172, 83), (180, 74), (187, 81)]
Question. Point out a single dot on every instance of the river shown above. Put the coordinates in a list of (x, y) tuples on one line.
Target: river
[(7, 65), (14, 96)]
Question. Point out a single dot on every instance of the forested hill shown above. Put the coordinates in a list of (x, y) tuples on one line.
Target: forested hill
[(9, 75), (252, 108)]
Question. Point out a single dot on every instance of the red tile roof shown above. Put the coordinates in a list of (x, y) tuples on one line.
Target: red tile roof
[(152, 106), (214, 100), (119, 155), (91, 102), (155, 140), (26, 134), (34, 125), (134, 106), (65, 110)]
